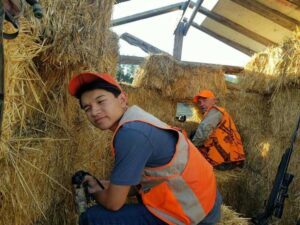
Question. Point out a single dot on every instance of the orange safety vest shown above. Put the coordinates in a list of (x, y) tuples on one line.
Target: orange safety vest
[(183, 191), (224, 145)]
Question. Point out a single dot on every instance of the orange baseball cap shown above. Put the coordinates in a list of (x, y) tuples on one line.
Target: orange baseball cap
[(203, 94), (87, 77)]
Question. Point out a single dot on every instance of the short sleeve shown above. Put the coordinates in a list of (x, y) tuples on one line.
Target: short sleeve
[(132, 151)]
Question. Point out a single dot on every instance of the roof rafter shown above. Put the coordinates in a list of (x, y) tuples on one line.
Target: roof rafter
[(147, 14), (186, 19), (227, 41), (233, 25), (146, 47), (269, 13), (120, 1)]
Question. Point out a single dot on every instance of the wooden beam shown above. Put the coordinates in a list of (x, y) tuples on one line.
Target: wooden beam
[(120, 1), (178, 41), (226, 68), (196, 6), (233, 25), (295, 2), (134, 60), (147, 14), (227, 41), (269, 13), (146, 47), (186, 19)]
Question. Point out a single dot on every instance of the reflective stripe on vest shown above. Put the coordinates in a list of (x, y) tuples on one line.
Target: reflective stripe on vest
[(169, 178)]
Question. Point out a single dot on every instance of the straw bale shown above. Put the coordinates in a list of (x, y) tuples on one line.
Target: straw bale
[(178, 80), (30, 134), (285, 110), (39, 148), (266, 120), (258, 74), (111, 54), (230, 217), (20, 80), (76, 32), (275, 67)]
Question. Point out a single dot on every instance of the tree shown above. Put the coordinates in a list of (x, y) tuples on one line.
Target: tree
[(126, 72)]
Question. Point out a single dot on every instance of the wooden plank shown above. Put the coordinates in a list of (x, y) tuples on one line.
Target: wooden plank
[(196, 6), (233, 25), (146, 47), (227, 41), (135, 60), (187, 18), (120, 1), (178, 41), (147, 14), (269, 13), (295, 2)]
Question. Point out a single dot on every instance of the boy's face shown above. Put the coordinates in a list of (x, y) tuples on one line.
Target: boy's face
[(103, 109)]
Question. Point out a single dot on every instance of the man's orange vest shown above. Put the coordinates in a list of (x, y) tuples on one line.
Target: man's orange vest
[(224, 145), (184, 190)]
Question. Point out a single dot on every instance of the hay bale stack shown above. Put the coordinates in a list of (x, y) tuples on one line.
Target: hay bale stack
[(75, 31), (230, 217), (275, 67), (177, 80), (33, 141), (39, 148), (266, 123)]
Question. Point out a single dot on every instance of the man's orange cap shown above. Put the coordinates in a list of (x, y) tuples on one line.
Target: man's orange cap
[(203, 94), (87, 77)]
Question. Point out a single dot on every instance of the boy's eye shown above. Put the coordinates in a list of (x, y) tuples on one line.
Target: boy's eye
[(86, 109), (100, 101)]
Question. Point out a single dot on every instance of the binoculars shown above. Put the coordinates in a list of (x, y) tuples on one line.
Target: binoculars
[(181, 118), (82, 196)]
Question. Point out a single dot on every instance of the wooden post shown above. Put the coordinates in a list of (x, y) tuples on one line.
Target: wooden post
[(178, 41)]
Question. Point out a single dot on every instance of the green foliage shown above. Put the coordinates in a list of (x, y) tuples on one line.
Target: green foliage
[(126, 72)]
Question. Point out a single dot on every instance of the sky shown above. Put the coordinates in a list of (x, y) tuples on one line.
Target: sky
[(159, 32)]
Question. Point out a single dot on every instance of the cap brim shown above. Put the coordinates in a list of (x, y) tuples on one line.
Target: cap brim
[(87, 77)]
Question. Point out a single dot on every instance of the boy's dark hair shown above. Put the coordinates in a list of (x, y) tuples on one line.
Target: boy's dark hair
[(98, 84)]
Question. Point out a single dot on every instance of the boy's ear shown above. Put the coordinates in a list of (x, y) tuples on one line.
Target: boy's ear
[(123, 99)]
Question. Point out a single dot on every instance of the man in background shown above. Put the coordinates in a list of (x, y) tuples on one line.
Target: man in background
[(217, 137)]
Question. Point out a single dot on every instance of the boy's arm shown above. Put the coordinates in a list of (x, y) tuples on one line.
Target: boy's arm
[(113, 197)]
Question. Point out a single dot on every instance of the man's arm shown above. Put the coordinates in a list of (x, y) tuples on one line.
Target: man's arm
[(206, 127)]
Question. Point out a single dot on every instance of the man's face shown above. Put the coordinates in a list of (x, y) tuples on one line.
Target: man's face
[(103, 109), (205, 103)]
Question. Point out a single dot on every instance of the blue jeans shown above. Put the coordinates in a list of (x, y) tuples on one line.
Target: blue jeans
[(129, 214), (137, 214)]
